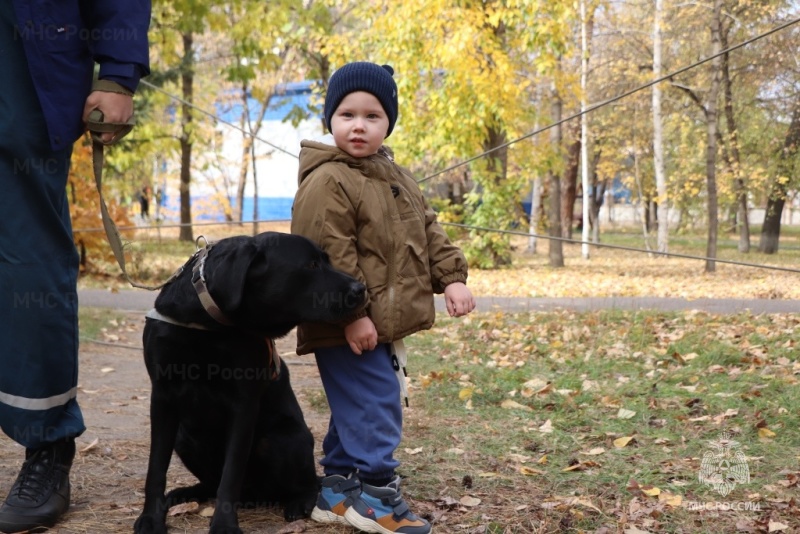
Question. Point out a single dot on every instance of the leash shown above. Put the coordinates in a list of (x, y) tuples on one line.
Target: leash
[(399, 362), (96, 127)]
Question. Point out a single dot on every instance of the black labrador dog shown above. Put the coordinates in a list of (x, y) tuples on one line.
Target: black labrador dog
[(221, 397)]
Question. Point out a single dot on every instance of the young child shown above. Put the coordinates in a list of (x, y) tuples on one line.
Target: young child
[(369, 215)]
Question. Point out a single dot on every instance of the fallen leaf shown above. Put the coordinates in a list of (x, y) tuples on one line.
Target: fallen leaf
[(671, 499), (509, 404), (650, 491), (535, 383), (625, 414), (622, 442), (529, 471), (594, 452), (560, 502), (469, 501), (91, 446), (774, 526), (208, 511), (465, 394), (185, 508), (581, 466), (107, 370), (547, 427), (765, 433), (730, 412), (413, 451), (587, 504)]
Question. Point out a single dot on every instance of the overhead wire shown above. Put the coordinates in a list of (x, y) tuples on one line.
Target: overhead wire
[(621, 247), (510, 143), (518, 139), (471, 227), (217, 118), (612, 99)]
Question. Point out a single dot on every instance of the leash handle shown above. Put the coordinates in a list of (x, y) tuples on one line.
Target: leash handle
[(96, 126)]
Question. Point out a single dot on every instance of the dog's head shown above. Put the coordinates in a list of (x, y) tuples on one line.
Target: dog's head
[(274, 281)]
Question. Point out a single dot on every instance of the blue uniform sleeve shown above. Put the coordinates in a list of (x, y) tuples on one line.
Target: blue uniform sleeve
[(118, 39)]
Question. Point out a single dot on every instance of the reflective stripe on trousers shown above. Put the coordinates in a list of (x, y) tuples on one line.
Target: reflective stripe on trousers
[(38, 264)]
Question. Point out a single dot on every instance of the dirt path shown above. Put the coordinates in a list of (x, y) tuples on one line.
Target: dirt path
[(110, 467)]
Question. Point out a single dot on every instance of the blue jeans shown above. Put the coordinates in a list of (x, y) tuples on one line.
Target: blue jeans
[(38, 265), (366, 415)]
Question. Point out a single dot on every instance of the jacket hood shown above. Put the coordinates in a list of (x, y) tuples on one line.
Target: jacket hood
[(314, 153)]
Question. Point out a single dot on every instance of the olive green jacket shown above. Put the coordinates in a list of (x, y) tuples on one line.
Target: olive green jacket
[(369, 215)]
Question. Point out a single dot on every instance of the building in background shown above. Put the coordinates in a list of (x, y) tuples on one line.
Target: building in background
[(291, 116)]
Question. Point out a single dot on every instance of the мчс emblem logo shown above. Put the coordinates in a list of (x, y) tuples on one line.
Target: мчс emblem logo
[(725, 465)]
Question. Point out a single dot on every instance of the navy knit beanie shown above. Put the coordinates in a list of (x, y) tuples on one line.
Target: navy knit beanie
[(363, 76)]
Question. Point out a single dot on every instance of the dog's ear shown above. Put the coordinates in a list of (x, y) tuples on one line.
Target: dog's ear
[(226, 271)]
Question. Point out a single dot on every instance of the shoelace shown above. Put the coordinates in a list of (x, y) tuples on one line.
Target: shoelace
[(35, 476)]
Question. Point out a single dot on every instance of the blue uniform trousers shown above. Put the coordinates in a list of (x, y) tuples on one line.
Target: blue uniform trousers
[(38, 264), (366, 415)]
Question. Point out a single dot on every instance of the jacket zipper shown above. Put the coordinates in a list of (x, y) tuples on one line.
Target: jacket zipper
[(392, 259)]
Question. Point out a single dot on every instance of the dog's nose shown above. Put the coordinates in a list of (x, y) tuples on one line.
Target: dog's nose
[(358, 291)]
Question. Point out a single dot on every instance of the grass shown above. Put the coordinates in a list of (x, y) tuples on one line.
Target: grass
[(95, 321), (596, 422), (571, 422)]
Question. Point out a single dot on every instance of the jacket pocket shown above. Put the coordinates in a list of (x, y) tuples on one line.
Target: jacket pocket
[(412, 245)]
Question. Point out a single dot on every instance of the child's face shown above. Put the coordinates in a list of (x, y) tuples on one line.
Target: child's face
[(359, 124)]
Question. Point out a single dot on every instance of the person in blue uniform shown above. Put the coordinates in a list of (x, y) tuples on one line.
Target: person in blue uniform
[(48, 54)]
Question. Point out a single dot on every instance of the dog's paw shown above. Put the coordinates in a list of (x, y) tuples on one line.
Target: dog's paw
[(298, 509), (147, 524)]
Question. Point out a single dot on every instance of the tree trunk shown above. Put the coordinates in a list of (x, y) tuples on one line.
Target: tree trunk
[(497, 162), (771, 230), (187, 86), (247, 142), (586, 32), (742, 215), (569, 186), (255, 183), (598, 189), (711, 148), (658, 138), (533, 219), (556, 249), (497, 169)]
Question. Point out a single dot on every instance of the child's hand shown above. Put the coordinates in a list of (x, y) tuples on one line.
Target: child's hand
[(459, 299), (361, 334)]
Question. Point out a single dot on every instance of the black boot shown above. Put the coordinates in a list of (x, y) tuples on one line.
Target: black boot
[(40, 495)]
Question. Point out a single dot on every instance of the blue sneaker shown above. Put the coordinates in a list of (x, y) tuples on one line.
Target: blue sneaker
[(335, 498), (383, 510)]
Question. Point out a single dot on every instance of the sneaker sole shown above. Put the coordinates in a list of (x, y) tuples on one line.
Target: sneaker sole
[(364, 523), (326, 516)]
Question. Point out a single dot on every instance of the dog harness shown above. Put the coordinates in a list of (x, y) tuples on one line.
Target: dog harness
[(199, 283), (273, 358)]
